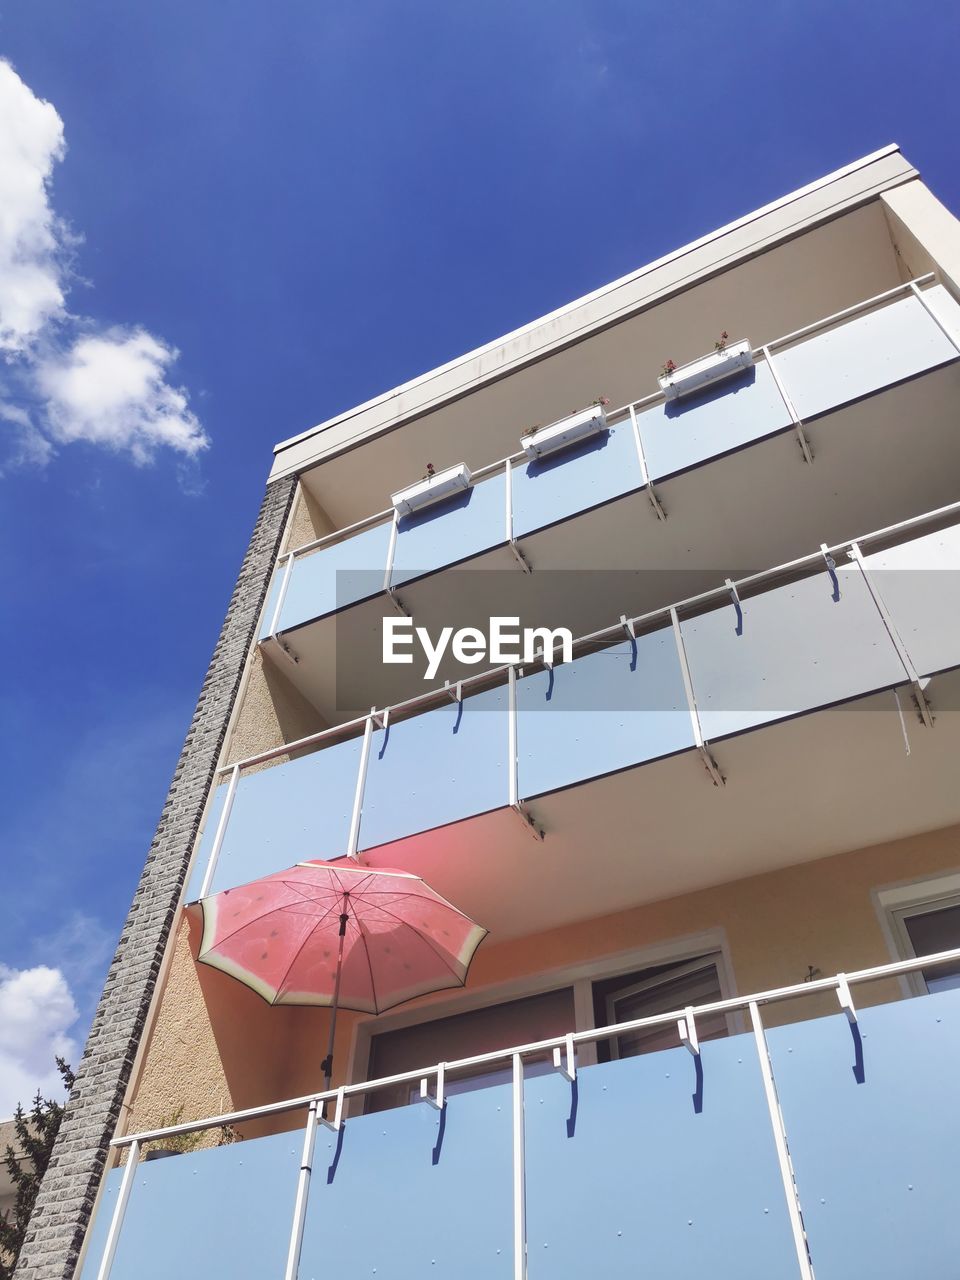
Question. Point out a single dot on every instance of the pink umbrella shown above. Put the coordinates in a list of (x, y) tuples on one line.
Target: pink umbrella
[(338, 934)]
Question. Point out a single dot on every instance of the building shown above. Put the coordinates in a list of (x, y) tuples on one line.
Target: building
[(731, 821)]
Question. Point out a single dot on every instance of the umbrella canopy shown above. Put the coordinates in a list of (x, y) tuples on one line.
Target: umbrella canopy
[(280, 935)]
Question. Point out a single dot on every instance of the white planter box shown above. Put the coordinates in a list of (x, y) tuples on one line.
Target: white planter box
[(559, 435), (437, 487), (697, 374)]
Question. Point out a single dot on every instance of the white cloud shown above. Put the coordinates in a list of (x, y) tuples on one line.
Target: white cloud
[(107, 387), (31, 238), (111, 389), (37, 1010)]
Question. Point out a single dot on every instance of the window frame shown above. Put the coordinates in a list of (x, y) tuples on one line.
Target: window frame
[(695, 964), (898, 902)]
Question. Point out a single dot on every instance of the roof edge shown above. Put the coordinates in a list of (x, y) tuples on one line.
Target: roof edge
[(422, 381)]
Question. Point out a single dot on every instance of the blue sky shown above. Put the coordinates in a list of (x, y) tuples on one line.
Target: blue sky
[(310, 202)]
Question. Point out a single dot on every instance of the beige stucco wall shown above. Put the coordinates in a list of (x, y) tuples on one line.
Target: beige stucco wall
[(215, 1044), (926, 235), (308, 521), (270, 712)]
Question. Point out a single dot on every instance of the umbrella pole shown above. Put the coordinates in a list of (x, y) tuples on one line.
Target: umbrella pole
[(327, 1064)]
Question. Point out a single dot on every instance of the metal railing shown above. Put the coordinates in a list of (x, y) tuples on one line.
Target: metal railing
[(629, 627), (563, 1050), (582, 644), (628, 411)]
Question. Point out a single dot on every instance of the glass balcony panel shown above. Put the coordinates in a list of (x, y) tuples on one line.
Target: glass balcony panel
[(648, 1169), (560, 485), (452, 531), (438, 767), (331, 577), (808, 644), (602, 712), (223, 1212), (682, 433), (874, 1134), (919, 582), (270, 608), (412, 1193), (872, 351), (282, 815)]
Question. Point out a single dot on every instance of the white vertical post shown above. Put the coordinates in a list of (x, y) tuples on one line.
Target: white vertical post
[(508, 501), (353, 838), (856, 555), (116, 1222), (687, 680), (303, 1190), (642, 458), (790, 407), (512, 738), (519, 1181), (281, 594), (221, 831), (709, 763), (391, 551), (780, 1142), (508, 517), (638, 441)]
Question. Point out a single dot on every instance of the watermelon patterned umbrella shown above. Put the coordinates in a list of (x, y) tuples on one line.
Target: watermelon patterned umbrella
[(340, 935)]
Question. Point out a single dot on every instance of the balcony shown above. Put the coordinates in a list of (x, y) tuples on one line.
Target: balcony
[(797, 693), (673, 1164), (671, 498)]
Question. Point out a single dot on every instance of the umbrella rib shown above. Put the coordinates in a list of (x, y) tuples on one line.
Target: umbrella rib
[(267, 912), (299, 950), (366, 952), (435, 901), (413, 929), (355, 888)]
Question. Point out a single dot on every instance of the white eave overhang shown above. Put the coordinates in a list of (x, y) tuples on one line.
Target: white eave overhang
[(784, 219)]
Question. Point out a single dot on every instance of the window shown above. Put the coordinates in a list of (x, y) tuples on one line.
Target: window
[(463, 1035), (658, 990), (664, 978), (929, 927)]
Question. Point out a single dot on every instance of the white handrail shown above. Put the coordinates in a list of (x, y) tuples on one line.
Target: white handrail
[(838, 982)]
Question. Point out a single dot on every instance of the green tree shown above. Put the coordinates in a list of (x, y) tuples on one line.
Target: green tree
[(36, 1132)]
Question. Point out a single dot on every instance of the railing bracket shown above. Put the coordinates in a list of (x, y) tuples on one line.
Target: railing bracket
[(565, 1059), (845, 998), (336, 1123), (436, 1100), (403, 611), (711, 766), (285, 650), (655, 502), (455, 690), (528, 821), (687, 1029), (628, 626), (924, 710), (804, 443), (520, 558)]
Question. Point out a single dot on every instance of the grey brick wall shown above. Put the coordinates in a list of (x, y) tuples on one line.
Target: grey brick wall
[(66, 1197)]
